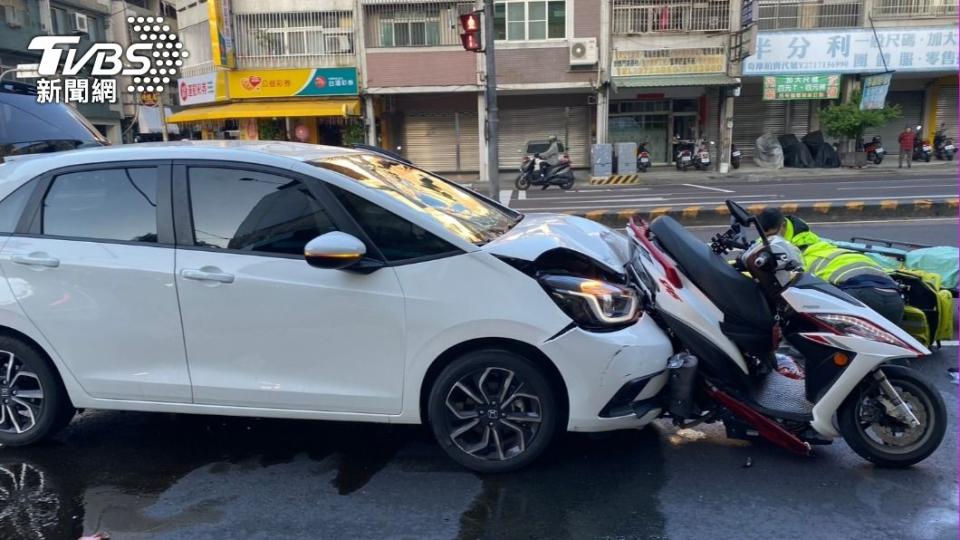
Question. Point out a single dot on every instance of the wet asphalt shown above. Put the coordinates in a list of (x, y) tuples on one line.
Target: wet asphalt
[(139, 475)]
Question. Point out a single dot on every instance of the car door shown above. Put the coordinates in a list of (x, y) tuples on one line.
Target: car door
[(91, 264), (262, 327)]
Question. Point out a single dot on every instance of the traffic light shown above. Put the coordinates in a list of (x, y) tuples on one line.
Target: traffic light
[(470, 37)]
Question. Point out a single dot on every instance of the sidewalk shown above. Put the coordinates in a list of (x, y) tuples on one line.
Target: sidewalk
[(748, 172)]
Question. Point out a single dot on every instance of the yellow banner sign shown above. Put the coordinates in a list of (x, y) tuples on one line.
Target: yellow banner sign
[(669, 62), (221, 33)]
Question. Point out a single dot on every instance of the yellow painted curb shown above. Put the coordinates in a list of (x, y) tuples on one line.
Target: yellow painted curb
[(594, 214), (789, 208), (888, 205), (616, 179), (625, 215), (656, 212), (691, 212), (923, 204), (855, 206), (821, 207)]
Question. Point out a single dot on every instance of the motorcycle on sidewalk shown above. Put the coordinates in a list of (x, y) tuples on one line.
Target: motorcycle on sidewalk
[(943, 147), (534, 172), (875, 151), (685, 151), (922, 151), (701, 161), (734, 156), (643, 158), (726, 328)]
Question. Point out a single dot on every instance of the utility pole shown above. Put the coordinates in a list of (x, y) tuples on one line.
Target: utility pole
[(490, 92)]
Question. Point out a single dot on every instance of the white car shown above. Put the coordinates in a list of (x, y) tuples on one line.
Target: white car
[(298, 281)]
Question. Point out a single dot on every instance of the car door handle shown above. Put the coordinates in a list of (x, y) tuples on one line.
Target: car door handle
[(29, 260), (204, 275)]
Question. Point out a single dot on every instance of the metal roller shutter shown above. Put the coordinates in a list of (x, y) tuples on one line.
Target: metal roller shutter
[(912, 105), (799, 118), (517, 126), (947, 110), (442, 141), (752, 117)]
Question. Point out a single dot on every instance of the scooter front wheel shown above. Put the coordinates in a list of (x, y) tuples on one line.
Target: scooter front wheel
[(522, 182), (568, 183), (872, 432)]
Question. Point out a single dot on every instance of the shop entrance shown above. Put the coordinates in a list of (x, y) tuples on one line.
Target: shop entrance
[(657, 122)]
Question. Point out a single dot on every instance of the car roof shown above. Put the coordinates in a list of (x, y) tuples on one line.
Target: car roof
[(19, 169)]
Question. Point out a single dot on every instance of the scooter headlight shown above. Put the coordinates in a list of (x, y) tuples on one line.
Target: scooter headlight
[(591, 303)]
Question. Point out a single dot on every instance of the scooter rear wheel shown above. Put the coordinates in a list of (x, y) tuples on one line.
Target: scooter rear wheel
[(568, 184), (878, 437), (523, 182)]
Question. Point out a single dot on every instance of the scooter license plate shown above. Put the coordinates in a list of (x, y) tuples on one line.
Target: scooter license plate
[(736, 154), (880, 150), (949, 147), (685, 158), (705, 161), (926, 148), (644, 160)]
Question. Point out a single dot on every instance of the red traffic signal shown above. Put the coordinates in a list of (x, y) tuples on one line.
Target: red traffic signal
[(470, 37)]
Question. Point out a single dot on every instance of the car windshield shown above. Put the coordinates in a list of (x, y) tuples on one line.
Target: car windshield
[(458, 210)]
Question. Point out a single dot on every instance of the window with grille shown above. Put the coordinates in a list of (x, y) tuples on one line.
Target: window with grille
[(530, 20), (410, 28)]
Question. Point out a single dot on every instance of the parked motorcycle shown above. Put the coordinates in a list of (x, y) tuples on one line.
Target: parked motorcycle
[(734, 156), (875, 151), (702, 158), (922, 151), (943, 146), (726, 327), (684, 157), (643, 157), (534, 172)]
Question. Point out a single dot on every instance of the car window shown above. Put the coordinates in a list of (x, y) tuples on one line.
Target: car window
[(107, 204), (254, 211), (11, 207), (458, 210), (397, 238)]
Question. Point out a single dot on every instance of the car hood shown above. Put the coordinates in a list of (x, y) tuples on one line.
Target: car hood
[(538, 233)]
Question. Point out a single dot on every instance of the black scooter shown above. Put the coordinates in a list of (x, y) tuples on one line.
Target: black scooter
[(532, 174), (734, 156)]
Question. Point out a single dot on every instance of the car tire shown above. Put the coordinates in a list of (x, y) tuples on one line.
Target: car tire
[(33, 401), (482, 419)]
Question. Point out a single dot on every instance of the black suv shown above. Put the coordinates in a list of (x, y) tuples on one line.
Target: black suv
[(28, 127)]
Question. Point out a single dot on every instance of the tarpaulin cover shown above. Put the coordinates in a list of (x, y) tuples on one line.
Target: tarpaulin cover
[(823, 153), (769, 153), (942, 260), (795, 153)]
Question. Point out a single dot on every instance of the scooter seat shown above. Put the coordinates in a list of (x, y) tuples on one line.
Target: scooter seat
[(737, 296)]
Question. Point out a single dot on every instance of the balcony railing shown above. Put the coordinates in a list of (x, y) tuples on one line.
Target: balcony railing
[(896, 9), (294, 40), (417, 24), (653, 16), (784, 15)]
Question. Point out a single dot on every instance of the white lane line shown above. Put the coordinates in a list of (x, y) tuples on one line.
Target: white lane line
[(747, 201), (523, 195), (895, 187), (860, 222), (709, 188), (505, 195), (950, 343)]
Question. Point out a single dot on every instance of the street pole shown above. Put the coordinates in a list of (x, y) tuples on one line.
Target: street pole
[(490, 93), (163, 117)]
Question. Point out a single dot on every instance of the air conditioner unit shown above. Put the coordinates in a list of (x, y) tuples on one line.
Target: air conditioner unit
[(583, 52), (80, 22)]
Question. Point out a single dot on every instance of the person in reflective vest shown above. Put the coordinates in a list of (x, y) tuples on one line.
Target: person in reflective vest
[(852, 272)]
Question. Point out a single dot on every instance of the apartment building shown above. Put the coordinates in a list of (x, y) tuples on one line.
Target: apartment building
[(22, 20)]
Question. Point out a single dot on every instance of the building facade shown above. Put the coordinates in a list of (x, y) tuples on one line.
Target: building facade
[(22, 20)]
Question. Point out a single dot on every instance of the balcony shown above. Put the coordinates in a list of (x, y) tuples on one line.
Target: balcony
[(656, 16), (421, 24), (294, 40), (899, 9), (793, 14)]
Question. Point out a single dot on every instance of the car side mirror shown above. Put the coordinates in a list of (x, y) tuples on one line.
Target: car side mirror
[(334, 251)]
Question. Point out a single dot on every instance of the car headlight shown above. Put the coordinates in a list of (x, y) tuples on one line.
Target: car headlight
[(591, 303)]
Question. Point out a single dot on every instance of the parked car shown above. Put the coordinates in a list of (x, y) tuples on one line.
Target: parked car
[(287, 280), (28, 127)]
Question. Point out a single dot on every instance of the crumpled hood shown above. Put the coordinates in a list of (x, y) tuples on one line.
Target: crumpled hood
[(539, 233)]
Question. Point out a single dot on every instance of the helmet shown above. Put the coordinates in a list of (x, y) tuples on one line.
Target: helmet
[(794, 226), (552, 138)]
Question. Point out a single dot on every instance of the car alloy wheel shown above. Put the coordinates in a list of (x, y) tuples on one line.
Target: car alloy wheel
[(493, 414), (21, 395)]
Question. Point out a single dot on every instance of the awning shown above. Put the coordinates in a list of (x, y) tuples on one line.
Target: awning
[(655, 81), (269, 109)]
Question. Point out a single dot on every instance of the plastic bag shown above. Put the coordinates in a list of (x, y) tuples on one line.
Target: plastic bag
[(768, 152)]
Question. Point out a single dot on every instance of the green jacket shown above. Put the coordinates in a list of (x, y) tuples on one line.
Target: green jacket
[(830, 263)]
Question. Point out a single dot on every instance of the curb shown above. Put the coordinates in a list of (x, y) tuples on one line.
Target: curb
[(818, 211)]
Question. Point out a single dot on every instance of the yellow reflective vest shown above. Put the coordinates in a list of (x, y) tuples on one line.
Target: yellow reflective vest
[(833, 264)]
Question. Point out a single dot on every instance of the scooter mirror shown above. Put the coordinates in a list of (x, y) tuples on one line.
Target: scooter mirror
[(738, 212)]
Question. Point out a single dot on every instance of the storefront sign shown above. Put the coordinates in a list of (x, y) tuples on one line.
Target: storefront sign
[(875, 91), (221, 33), (778, 88), (205, 88), (669, 61), (265, 83), (854, 51)]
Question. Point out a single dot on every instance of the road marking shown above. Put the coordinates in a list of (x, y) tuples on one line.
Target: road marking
[(950, 343), (912, 186), (505, 195), (709, 188), (886, 204), (523, 195)]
